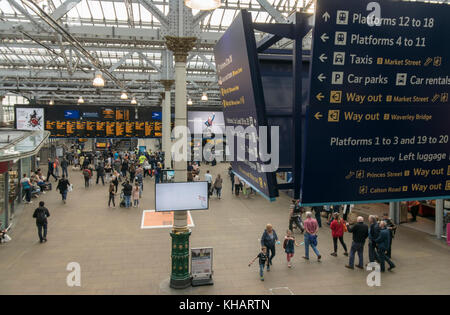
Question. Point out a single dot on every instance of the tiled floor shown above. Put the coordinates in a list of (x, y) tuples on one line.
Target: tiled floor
[(118, 257)]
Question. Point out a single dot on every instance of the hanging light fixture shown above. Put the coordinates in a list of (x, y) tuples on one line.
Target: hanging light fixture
[(80, 100), (124, 95), (51, 102), (133, 101), (98, 80), (204, 97), (202, 4), (189, 102)]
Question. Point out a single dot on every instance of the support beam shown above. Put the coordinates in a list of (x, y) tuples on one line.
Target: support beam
[(155, 12), (200, 16), (23, 11), (120, 62), (64, 8), (278, 17), (149, 62)]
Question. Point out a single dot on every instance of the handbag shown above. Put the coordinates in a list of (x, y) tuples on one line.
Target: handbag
[(345, 226), (70, 188)]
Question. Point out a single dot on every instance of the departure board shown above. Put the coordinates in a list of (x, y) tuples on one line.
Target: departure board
[(94, 121)]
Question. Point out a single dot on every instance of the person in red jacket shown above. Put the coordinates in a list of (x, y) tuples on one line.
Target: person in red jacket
[(337, 231)]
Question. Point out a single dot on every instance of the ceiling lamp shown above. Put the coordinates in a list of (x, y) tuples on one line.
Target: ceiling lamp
[(133, 101), (51, 102), (80, 100), (204, 97), (189, 102), (202, 4), (124, 95), (98, 80)]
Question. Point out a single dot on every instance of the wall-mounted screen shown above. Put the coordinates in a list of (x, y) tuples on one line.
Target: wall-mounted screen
[(206, 123)]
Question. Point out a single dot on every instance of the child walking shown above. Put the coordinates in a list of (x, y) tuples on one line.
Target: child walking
[(288, 245), (136, 190), (263, 261)]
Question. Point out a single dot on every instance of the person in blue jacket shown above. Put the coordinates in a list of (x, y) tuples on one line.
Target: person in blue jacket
[(269, 239), (383, 241)]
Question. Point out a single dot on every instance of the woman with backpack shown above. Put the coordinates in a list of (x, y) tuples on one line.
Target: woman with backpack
[(338, 228), (87, 176)]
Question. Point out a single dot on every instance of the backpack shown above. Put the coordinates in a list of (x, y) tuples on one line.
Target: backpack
[(285, 243), (86, 173), (41, 216)]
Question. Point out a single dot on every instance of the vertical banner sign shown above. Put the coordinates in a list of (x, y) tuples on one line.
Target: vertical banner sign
[(243, 101), (378, 121)]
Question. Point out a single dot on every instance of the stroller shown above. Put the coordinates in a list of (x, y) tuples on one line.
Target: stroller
[(5, 238)]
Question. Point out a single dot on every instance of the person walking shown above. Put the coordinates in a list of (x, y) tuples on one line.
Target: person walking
[(51, 170), (230, 172), (295, 216), (268, 240), (360, 232), (26, 187), (127, 191), (208, 178), (383, 241), (132, 172), (41, 214), (311, 229), (100, 173), (64, 165), (392, 229), (56, 166), (414, 207), (237, 185), (136, 193), (374, 232), (115, 180), (288, 245), (87, 176), (317, 213), (338, 228), (63, 187), (218, 186), (112, 194), (263, 261)]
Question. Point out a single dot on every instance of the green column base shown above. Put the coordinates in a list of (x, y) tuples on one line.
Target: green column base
[(180, 277)]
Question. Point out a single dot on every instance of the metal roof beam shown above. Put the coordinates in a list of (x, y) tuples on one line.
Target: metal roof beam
[(279, 18), (155, 12), (64, 8)]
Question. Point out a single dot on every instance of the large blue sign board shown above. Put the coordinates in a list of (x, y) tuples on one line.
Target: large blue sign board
[(378, 117), (243, 99)]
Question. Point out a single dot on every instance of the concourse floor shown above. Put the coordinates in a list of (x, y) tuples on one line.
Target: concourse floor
[(118, 257)]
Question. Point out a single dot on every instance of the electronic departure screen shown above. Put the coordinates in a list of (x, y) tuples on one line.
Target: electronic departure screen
[(102, 122)]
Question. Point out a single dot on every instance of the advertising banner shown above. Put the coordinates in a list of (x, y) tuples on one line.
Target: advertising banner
[(30, 118), (201, 262), (377, 122)]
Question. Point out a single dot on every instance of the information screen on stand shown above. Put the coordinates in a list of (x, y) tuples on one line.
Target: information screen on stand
[(378, 120)]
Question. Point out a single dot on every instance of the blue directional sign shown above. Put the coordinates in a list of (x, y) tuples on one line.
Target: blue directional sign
[(243, 100), (378, 119)]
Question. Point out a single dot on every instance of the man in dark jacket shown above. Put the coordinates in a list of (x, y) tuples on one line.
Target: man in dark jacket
[(317, 213), (391, 227), (63, 187), (360, 232), (64, 165), (41, 214), (100, 173), (383, 242), (50, 171), (127, 191), (269, 239), (374, 232)]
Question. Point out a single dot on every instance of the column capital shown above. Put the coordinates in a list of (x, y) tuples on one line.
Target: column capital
[(180, 46), (167, 84)]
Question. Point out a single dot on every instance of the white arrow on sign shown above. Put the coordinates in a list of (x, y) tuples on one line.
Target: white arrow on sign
[(324, 37), (323, 57), (326, 16), (321, 77)]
